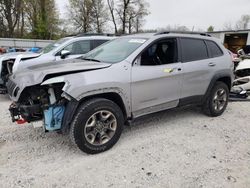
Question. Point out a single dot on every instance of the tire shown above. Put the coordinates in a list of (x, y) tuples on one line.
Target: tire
[(92, 131), (209, 107)]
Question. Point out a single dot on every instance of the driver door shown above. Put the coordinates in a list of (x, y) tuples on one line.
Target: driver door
[(156, 78)]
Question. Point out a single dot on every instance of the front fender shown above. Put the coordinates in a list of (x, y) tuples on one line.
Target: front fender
[(116, 90), (114, 79)]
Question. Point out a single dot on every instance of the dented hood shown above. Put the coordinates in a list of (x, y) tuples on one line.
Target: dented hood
[(38, 73)]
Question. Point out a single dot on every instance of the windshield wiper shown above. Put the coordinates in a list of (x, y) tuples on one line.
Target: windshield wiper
[(90, 59)]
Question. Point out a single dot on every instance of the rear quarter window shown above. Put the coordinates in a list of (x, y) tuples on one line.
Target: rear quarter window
[(193, 49), (214, 49)]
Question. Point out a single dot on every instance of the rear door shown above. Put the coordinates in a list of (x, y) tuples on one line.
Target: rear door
[(156, 78), (198, 68)]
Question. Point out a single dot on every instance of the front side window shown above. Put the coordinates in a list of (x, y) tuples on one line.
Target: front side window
[(193, 49), (116, 50), (54, 45), (160, 53), (214, 49), (78, 47)]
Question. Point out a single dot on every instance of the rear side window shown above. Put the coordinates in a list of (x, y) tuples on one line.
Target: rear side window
[(214, 49), (96, 43), (193, 50)]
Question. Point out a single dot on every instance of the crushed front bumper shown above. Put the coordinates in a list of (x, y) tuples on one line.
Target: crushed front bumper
[(25, 113)]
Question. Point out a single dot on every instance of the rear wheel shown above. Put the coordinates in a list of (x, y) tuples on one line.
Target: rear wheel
[(216, 103), (97, 126)]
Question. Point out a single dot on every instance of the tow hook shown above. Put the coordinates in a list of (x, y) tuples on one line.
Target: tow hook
[(16, 117), (21, 121)]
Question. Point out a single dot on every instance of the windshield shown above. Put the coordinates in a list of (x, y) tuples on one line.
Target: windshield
[(115, 51), (53, 45)]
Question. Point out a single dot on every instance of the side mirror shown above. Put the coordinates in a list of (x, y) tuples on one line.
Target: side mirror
[(64, 53)]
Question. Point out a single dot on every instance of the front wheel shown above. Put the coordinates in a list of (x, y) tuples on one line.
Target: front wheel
[(216, 103), (97, 126)]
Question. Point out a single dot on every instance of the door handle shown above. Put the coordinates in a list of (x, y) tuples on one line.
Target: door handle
[(211, 64), (172, 70)]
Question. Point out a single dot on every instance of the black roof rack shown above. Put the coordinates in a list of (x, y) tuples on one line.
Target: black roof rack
[(183, 32), (94, 34)]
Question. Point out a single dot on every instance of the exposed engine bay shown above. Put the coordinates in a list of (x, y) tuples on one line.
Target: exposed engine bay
[(39, 93), (40, 103)]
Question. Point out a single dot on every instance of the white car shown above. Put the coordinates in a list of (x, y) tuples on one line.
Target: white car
[(241, 85), (65, 48)]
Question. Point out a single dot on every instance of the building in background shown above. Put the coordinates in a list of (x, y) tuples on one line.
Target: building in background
[(233, 40)]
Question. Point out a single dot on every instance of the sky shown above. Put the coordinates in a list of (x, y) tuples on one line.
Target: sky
[(199, 14)]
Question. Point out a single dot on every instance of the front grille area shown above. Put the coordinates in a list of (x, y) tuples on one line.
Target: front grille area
[(10, 87)]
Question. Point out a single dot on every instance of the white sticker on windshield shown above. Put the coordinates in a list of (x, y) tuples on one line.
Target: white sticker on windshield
[(141, 41)]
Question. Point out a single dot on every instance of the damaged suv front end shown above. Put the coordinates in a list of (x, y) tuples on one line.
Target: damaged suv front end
[(41, 93)]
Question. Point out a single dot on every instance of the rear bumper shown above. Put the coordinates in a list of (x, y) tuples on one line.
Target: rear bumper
[(29, 113)]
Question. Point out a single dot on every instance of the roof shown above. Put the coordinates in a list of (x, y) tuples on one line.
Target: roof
[(231, 31), (170, 34)]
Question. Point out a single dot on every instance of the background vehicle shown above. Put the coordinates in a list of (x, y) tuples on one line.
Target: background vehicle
[(92, 98), (6, 63), (235, 58), (241, 85), (65, 48)]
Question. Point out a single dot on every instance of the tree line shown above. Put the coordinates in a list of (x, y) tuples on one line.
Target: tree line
[(40, 18), (29, 18), (124, 16), (241, 24)]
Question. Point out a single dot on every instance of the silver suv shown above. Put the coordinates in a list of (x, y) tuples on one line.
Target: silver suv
[(93, 97)]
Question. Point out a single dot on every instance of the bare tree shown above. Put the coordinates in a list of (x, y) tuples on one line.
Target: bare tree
[(136, 13), (100, 16), (81, 11), (112, 8), (131, 14), (243, 23), (122, 12), (10, 13)]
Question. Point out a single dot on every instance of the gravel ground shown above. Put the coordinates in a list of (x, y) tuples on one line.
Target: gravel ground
[(177, 148)]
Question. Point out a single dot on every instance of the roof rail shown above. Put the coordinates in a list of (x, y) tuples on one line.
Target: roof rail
[(94, 34), (183, 32)]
